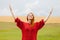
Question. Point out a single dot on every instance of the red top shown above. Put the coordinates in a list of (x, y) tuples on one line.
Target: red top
[(28, 32)]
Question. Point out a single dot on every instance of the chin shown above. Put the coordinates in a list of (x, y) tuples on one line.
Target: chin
[(30, 18)]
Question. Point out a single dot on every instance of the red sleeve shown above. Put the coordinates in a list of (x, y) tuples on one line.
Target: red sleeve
[(40, 24), (19, 23)]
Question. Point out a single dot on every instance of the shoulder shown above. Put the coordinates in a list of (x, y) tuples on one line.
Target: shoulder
[(18, 20), (36, 23), (41, 21)]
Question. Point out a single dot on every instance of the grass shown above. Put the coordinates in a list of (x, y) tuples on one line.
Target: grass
[(9, 31)]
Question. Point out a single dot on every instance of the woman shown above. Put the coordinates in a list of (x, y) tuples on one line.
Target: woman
[(29, 30)]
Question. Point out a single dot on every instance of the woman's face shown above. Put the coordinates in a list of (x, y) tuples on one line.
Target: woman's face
[(30, 16)]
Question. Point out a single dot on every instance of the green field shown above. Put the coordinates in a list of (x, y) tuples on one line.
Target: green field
[(9, 31)]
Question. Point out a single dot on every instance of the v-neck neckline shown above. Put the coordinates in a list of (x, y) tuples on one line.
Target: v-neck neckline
[(31, 26)]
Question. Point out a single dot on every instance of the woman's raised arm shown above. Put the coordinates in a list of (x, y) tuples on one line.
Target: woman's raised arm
[(48, 15), (11, 10)]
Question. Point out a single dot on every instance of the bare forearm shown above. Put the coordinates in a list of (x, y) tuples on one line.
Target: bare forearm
[(48, 16), (12, 12)]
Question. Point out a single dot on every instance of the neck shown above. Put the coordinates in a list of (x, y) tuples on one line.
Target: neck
[(29, 21)]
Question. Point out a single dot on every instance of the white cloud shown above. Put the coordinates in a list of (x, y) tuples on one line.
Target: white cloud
[(4, 12), (32, 5), (39, 7)]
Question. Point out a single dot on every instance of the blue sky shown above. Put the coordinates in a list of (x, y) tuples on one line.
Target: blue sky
[(22, 7)]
